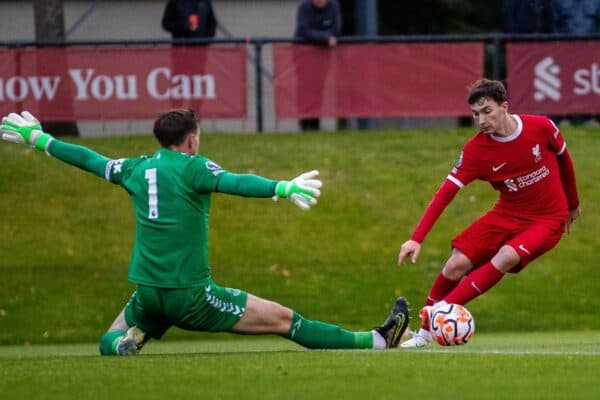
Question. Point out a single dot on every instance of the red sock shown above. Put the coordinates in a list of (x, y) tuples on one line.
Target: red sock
[(475, 283), (440, 288)]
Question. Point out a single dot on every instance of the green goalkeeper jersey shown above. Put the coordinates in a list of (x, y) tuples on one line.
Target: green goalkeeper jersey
[(171, 196)]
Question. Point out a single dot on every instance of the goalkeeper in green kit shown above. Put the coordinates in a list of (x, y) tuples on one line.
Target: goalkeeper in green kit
[(171, 195)]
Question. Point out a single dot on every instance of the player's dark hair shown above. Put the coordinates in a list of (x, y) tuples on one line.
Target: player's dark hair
[(482, 88), (171, 128)]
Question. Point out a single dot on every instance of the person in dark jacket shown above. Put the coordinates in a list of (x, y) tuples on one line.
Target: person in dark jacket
[(318, 22), (578, 17), (189, 19), (528, 16)]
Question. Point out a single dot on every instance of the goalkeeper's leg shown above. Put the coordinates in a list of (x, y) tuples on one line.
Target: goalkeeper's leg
[(110, 340), (122, 338), (267, 317)]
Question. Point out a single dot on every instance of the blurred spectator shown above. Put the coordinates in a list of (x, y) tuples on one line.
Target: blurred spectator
[(189, 19), (318, 22), (521, 16), (528, 16), (578, 17)]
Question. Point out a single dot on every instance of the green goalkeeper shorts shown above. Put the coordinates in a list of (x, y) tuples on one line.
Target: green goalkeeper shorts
[(210, 308)]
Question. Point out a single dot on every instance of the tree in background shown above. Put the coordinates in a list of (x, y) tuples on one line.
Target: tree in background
[(49, 17)]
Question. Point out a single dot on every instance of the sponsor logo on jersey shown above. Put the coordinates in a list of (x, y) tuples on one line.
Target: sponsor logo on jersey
[(531, 178), (511, 185), (546, 82), (537, 154)]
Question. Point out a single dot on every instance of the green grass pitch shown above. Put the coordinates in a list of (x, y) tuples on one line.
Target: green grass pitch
[(66, 236), (508, 366)]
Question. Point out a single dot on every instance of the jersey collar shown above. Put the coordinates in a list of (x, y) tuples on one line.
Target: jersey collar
[(167, 151), (513, 135)]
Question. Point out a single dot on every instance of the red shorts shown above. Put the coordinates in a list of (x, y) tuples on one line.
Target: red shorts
[(530, 239)]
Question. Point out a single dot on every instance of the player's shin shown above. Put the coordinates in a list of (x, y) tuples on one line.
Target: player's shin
[(440, 288), (474, 284), (321, 335)]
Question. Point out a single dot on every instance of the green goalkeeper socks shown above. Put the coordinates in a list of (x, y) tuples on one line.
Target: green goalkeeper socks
[(109, 342), (320, 335), (305, 332)]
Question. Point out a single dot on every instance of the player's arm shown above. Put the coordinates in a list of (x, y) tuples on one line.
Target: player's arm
[(302, 190), (466, 169), (247, 185), (207, 176), (567, 177), (567, 171), (438, 204), (26, 129)]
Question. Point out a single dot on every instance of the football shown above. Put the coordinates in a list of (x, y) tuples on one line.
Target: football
[(451, 324)]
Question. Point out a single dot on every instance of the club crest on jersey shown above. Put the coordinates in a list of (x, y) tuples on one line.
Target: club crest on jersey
[(214, 167), (537, 154)]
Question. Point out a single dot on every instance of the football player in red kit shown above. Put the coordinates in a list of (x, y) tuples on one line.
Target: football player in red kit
[(525, 158)]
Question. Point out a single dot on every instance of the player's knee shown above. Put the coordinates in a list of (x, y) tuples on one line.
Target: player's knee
[(456, 267), (284, 317), (506, 258), (280, 317)]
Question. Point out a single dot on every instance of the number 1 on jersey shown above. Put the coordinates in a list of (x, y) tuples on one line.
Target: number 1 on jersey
[(152, 193)]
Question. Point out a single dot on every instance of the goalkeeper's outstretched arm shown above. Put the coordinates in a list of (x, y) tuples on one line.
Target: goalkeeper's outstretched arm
[(26, 129), (303, 190), (79, 156)]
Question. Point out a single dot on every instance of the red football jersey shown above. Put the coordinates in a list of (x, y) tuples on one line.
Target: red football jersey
[(523, 167)]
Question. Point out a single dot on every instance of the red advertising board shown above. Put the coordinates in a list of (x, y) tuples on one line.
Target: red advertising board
[(355, 80), (554, 77), (118, 82)]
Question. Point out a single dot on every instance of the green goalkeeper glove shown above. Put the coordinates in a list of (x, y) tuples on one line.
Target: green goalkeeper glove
[(26, 129), (301, 190)]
